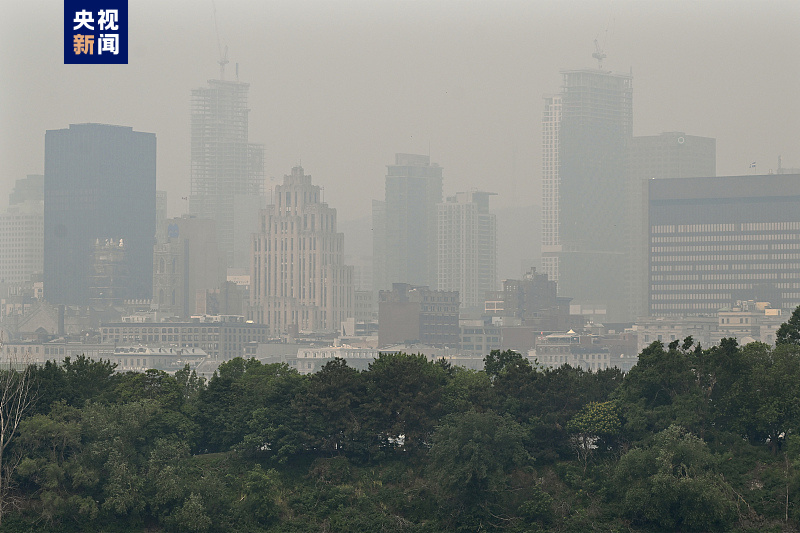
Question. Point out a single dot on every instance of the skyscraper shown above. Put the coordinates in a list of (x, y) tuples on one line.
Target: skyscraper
[(467, 248), (663, 156), (99, 184), (587, 131), (409, 214), (673, 155), (227, 172), (299, 280), (22, 231)]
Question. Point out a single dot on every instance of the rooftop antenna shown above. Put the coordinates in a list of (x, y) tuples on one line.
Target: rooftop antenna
[(223, 57)]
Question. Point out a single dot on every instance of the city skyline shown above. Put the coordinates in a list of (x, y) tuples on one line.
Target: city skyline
[(370, 80)]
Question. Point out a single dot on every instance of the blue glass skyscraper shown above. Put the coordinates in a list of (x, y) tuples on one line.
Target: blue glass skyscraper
[(99, 184)]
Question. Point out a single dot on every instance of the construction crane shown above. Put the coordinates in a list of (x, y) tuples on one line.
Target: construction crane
[(223, 57), (223, 60), (598, 54)]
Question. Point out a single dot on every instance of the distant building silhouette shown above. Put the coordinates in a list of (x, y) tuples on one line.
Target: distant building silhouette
[(99, 184), (467, 248), (412, 314), (404, 224), (22, 232), (185, 260), (227, 171), (586, 134), (531, 301), (668, 155), (299, 280)]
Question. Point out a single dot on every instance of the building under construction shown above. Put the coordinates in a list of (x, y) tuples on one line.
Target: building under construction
[(227, 172), (109, 279)]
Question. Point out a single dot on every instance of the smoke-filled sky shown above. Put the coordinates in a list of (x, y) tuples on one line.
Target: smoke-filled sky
[(343, 85)]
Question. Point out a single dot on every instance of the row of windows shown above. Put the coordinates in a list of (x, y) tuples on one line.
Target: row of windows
[(710, 306), (726, 238), (715, 286), (737, 257), (716, 276), (715, 248), (692, 296), (770, 226), (748, 226)]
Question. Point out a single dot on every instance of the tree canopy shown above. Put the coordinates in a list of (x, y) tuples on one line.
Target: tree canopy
[(691, 439)]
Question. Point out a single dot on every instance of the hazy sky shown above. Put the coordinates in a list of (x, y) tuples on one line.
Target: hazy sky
[(343, 85)]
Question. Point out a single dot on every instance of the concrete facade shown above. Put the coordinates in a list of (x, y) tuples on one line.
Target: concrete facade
[(467, 247), (299, 279), (714, 241)]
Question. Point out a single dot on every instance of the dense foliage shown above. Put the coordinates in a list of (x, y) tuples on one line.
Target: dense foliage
[(691, 439)]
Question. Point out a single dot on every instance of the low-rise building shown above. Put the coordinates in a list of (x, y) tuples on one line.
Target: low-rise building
[(412, 314), (138, 358), (746, 321), (221, 337), (588, 352)]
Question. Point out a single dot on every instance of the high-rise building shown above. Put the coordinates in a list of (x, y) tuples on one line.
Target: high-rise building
[(99, 184), (379, 254), (668, 155), (587, 131), (467, 248), (409, 213), (673, 155), (718, 241), (227, 171), (299, 280), (22, 232)]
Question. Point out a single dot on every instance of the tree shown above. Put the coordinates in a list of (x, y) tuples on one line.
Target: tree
[(331, 411), (660, 390), (789, 332), (60, 487), (240, 389), (17, 395), (404, 400), (189, 382), (672, 485), (770, 407), (498, 362), (593, 424), (472, 456)]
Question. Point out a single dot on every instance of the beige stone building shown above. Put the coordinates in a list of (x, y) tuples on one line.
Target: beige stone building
[(299, 281)]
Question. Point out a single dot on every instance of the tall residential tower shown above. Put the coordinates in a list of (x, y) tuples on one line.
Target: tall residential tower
[(22, 231), (407, 253), (467, 260)]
